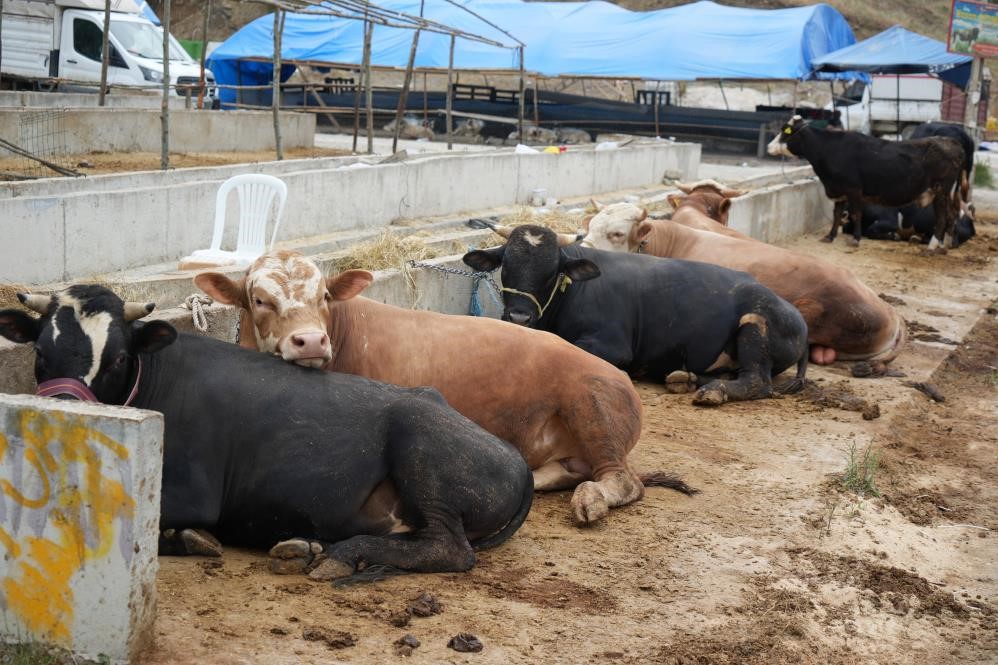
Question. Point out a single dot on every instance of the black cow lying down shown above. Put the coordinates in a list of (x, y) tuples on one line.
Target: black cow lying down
[(883, 223), (855, 169), (258, 450), (651, 316)]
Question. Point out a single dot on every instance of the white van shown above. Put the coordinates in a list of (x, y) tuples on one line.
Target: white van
[(58, 44)]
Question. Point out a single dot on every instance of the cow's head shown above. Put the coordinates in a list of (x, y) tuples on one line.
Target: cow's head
[(85, 343), (709, 197), (534, 270), (288, 302), (781, 143), (614, 227)]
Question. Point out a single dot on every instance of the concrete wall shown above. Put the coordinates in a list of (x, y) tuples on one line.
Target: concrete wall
[(139, 130), (780, 212), (54, 234), (79, 524), (40, 101)]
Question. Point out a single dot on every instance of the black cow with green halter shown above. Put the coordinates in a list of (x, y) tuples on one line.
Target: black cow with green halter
[(681, 321)]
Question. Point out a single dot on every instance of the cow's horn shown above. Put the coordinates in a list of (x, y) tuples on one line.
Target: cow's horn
[(733, 193), (136, 310), (503, 230), (36, 303), (565, 239), (596, 204), (684, 188)]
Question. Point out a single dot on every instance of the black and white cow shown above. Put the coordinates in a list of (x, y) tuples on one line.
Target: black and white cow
[(855, 169), (651, 316), (258, 450)]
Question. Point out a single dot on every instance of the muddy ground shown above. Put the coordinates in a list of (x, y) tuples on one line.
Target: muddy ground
[(773, 562)]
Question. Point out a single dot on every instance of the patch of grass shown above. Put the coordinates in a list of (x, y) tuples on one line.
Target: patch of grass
[(982, 175), (861, 471), (36, 653)]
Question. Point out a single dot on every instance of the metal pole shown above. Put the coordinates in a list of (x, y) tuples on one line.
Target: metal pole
[(426, 107), (537, 115), (519, 118), (356, 100), (897, 105), (720, 84), (275, 101), (105, 52), (369, 94), (204, 50), (450, 95), (1, 42), (654, 101), (164, 155), (404, 93)]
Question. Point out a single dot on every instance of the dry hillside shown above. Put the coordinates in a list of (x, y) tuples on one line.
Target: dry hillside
[(929, 17)]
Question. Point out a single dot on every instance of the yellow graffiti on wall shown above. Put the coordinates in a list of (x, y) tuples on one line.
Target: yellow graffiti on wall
[(80, 504)]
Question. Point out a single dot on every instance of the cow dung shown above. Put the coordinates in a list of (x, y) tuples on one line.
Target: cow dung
[(334, 639), (405, 645), (425, 606), (465, 643)]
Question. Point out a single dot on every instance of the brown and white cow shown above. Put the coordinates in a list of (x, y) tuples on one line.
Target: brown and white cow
[(845, 318), (573, 416)]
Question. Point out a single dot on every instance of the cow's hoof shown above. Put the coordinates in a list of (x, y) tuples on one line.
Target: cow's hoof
[(201, 543), (588, 503), (291, 549), (331, 569), (708, 396), (852, 242), (680, 382), (827, 239), (293, 566)]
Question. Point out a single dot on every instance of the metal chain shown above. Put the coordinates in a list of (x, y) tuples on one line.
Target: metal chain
[(487, 276), (196, 302)]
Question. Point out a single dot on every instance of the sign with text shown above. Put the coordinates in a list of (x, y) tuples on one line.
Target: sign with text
[(973, 29)]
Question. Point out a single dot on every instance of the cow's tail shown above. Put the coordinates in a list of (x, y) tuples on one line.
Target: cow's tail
[(501, 536), (670, 480)]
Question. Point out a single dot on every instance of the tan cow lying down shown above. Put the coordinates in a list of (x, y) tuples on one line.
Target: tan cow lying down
[(845, 319), (573, 416)]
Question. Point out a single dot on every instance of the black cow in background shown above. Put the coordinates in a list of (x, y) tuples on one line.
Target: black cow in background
[(651, 316), (906, 222), (257, 450), (855, 169), (960, 135)]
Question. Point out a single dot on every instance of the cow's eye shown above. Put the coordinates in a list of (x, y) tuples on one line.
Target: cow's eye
[(258, 302), (119, 360)]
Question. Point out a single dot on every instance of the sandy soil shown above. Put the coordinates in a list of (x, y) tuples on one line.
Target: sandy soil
[(117, 162), (774, 562)]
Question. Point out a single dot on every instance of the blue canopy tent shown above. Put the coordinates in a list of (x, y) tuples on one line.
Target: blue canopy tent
[(898, 51), (702, 40)]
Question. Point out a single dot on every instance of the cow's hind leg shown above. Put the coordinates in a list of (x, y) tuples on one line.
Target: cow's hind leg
[(836, 220), (754, 367), (945, 221), (856, 217)]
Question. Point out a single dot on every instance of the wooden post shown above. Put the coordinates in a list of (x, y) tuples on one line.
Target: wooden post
[(275, 102), (519, 117), (537, 115), (654, 102), (164, 155), (450, 95), (426, 107), (204, 49), (105, 52), (404, 93), (356, 99), (897, 105), (970, 107), (1, 41), (368, 93)]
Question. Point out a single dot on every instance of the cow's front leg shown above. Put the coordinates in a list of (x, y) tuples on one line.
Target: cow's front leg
[(836, 220), (856, 217)]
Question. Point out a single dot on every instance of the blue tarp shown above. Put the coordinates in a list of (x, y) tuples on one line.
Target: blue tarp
[(702, 40), (147, 11), (898, 51)]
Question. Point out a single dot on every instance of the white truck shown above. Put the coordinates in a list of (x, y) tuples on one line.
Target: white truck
[(898, 104), (56, 44)]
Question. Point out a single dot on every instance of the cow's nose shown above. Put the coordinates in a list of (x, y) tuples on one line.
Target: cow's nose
[(310, 344), (519, 318)]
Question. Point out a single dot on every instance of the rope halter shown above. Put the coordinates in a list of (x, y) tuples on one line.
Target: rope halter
[(561, 283), (80, 391)]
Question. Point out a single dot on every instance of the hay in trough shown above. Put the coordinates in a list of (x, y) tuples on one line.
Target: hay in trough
[(558, 221), (386, 251), (8, 295)]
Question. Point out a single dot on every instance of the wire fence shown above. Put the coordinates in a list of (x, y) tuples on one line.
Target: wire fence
[(38, 149)]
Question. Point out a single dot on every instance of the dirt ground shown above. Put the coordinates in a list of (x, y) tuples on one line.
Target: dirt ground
[(95, 163), (773, 562)]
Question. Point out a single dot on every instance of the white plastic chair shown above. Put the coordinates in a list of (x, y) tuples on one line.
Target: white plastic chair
[(256, 193)]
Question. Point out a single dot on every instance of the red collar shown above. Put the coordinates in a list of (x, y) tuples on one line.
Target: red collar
[(79, 390)]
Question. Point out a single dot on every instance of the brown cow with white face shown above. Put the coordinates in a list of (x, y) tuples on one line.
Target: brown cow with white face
[(845, 318), (573, 416)]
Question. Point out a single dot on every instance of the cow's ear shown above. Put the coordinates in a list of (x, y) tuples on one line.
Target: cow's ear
[(644, 228), (581, 270), (19, 327), (675, 200), (484, 260), (222, 289), (348, 283), (585, 222), (723, 208), (153, 336)]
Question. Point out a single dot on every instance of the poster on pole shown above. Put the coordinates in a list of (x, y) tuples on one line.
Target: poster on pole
[(973, 29)]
